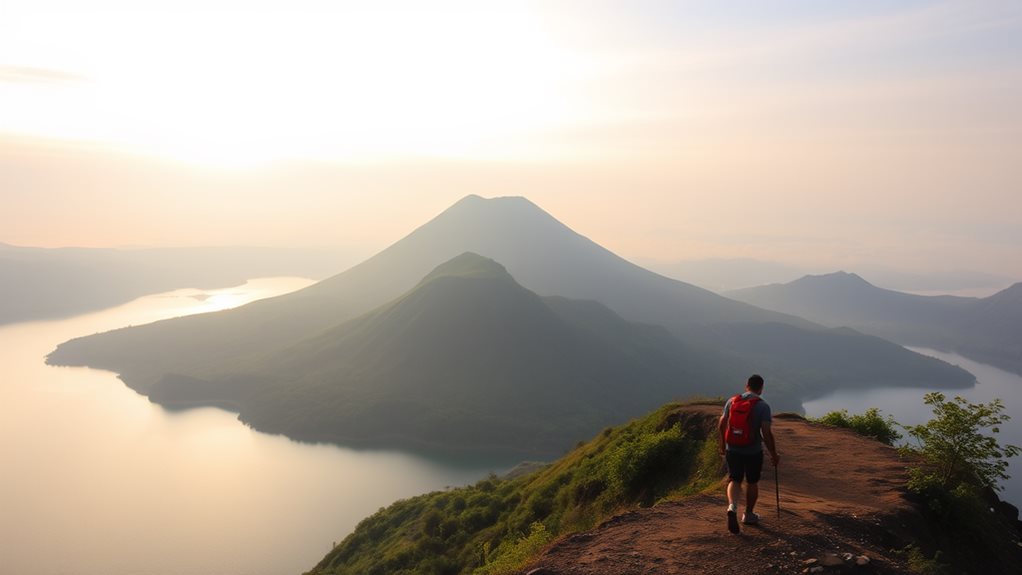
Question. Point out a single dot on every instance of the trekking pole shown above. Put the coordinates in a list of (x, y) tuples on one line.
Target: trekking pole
[(777, 491)]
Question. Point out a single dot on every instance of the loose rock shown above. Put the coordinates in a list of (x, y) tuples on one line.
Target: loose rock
[(831, 560)]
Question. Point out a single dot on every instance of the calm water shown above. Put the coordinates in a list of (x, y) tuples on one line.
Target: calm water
[(98, 481), (906, 405)]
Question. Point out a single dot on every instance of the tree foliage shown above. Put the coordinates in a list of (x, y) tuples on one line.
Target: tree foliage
[(959, 446), (961, 459)]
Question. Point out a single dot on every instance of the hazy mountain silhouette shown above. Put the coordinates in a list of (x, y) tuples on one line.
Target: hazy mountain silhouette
[(845, 299), (466, 359), (934, 282), (722, 274), (801, 358), (544, 255), (992, 332), (38, 283), (986, 329)]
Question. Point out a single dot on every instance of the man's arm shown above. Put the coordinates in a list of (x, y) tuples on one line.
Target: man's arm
[(768, 440), (722, 428)]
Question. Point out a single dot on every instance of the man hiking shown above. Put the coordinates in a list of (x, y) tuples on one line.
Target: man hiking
[(744, 428)]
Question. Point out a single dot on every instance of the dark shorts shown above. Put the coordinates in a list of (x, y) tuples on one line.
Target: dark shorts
[(747, 466)]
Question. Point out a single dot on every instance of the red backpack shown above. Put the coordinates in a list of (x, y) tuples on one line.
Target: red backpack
[(739, 424)]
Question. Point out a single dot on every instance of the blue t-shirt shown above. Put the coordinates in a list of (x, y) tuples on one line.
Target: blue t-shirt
[(760, 413)]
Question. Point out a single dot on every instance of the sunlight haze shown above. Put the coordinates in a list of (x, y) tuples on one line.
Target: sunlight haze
[(346, 287), (821, 134)]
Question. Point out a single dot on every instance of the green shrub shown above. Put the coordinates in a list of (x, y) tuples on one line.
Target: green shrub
[(919, 563), (960, 458), (649, 462), (956, 449), (870, 423), (511, 557)]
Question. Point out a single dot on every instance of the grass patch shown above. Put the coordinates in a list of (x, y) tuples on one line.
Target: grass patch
[(498, 525)]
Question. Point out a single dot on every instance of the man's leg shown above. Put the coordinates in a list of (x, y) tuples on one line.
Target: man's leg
[(736, 472), (753, 469), (751, 495), (734, 493)]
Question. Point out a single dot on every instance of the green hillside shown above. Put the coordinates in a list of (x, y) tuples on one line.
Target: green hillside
[(493, 526)]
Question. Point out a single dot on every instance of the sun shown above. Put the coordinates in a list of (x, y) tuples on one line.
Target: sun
[(235, 85)]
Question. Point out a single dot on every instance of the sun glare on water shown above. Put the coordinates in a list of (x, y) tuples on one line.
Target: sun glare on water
[(227, 298), (235, 84)]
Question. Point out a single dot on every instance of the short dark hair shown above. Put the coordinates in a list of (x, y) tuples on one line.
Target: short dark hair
[(755, 383)]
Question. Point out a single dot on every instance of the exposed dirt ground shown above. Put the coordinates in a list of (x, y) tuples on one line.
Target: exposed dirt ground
[(836, 498)]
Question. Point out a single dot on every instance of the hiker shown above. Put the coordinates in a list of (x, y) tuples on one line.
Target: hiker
[(744, 428)]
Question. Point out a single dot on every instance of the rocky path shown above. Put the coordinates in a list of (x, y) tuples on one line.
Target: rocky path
[(825, 526)]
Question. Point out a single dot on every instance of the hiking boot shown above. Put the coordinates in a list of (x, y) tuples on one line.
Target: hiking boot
[(750, 518), (732, 521)]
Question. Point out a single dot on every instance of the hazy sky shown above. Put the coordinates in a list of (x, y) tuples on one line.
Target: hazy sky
[(809, 132)]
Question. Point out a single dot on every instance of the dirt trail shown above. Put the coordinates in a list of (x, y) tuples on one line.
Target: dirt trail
[(840, 494)]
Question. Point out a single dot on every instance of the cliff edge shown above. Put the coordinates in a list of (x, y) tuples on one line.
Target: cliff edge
[(844, 508), (647, 497)]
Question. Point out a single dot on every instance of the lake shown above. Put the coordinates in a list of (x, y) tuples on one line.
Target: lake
[(906, 405), (96, 480)]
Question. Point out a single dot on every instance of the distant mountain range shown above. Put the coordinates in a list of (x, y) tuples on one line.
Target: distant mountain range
[(985, 329), (41, 283), (722, 275), (714, 341)]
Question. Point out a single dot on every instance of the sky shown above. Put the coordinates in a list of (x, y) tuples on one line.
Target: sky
[(815, 133)]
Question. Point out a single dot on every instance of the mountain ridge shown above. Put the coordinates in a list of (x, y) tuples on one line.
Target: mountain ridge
[(544, 256), (467, 360), (985, 329)]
